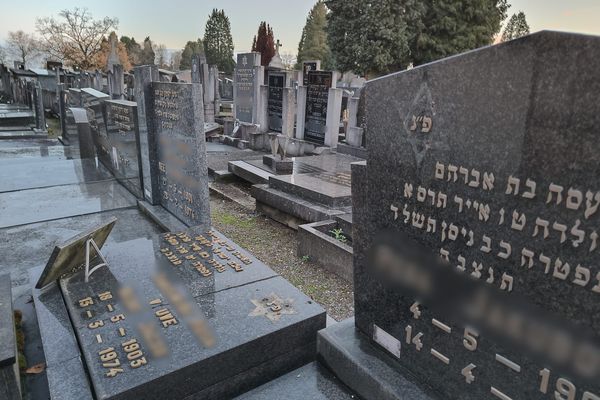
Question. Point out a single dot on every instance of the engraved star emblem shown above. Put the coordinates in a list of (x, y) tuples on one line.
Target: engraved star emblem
[(272, 307)]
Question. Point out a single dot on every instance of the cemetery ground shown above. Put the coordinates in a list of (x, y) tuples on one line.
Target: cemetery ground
[(275, 245)]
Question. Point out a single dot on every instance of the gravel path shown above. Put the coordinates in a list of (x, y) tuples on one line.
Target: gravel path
[(275, 245)]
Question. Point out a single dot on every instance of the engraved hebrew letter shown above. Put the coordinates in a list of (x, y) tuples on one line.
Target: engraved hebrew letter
[(501, 212), (530, 193), (431, 194), (465, 173), (562, 229), (554, 189), (546, 261), (418, 220), (444, 226), (406, 214), (468, 203), (470, 242), (526, 253), (486, 248), (574, 199), (444, 254), (408, 190), (513, 185), (484, 212), (475, 181), (544, 224), (459, 201), (507, 250), (461, 264), (490, 278), (439, 170), (507, 282), (582, 276), (441, 200), (413, 126), (488, 181), (453, 232), (578, 233), (477, 268), (452, 169), (426, 125), (431, 223), (594, 238), (421, 194), (590, 208), (561, 271), (395, 210), (518, 221)]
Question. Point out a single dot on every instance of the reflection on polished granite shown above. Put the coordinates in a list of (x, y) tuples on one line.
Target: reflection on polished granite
[(30, 173), (35, 205), (36, 240)]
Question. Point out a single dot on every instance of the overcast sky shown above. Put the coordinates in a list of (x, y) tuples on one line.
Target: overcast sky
[(174, 22)]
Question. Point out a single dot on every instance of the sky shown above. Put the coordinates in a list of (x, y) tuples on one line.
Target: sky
[(174, 22)]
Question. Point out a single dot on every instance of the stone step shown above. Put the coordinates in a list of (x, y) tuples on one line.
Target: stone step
[(249, 172), (313, 188), (289, 209), (312, 381), (366, 369)]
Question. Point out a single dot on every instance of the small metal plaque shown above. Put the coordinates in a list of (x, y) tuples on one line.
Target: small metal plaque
[(71, 254), (386, 341)]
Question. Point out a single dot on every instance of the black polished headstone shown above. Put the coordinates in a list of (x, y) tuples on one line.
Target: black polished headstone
[(489, 161), (276, 83), (177, 113), (143, 77), (124, 140), (186, 313), (308, 66), (318, 85)]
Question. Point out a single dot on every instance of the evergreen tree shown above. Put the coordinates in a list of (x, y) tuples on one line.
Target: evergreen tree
[(369, 37), (218, 43), (189, 50), (134, 49), (313, 42), (147, 54), (264, 43), (516, 27), (450, 27)]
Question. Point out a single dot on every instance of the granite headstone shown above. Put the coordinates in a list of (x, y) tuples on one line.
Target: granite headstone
[(318, 85), (177, 113), (476, 257)]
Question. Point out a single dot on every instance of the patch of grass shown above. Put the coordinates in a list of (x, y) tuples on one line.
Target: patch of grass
[(226, 218), (53, 127)]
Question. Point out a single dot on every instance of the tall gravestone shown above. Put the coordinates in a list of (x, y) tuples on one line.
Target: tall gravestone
[(276, 83), (177, 117), (487, 162), (246, 87), (321, 103), (124, 140), (143, 77)]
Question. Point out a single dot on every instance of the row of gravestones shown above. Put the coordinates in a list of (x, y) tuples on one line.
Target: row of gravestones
[(476, 222), (155, 146), (310, 111)]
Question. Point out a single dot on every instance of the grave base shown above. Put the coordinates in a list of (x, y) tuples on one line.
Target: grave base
[(278, 165), (366, 369)]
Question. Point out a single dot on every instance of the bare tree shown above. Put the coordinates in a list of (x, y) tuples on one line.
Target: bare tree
[(160, 54), (2, 55), (22, 46), (75, 37), (288, 60), (175, 60)]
